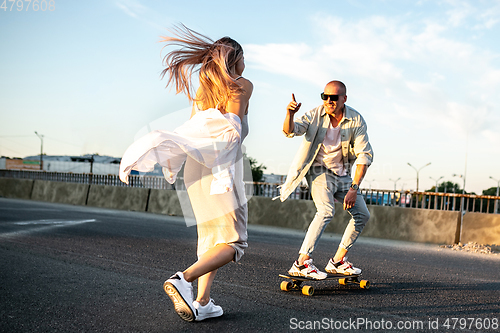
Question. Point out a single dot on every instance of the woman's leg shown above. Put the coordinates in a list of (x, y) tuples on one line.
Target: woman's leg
[(204, 286), (206, 268)]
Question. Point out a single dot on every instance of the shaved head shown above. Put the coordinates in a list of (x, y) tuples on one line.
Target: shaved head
[(336, 105), (339, 85)]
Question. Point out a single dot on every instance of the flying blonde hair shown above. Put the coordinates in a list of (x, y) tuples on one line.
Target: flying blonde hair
[(212, 59)]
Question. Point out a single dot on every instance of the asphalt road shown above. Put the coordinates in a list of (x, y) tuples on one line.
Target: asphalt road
[(78, 269)]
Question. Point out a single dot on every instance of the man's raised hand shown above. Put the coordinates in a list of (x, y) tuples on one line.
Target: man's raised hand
[(293, 106)]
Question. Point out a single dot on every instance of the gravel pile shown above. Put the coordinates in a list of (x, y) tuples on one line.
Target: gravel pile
[(474, 248)]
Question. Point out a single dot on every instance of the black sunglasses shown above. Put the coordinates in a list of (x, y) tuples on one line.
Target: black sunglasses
[(333, 98)]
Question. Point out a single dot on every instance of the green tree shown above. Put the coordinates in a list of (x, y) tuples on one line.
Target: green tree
[(490, 191), (444, 187), (448, 187), (257, 169)]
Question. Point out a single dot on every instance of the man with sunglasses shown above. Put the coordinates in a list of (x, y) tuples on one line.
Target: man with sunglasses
[(335, 136)]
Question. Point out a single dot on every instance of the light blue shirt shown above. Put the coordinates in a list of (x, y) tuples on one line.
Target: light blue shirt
[(313, 125)]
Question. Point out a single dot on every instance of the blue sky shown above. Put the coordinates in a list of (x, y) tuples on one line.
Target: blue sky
[(424, 74)]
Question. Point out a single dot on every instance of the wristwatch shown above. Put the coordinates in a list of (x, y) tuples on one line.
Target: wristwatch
[(355, 186)]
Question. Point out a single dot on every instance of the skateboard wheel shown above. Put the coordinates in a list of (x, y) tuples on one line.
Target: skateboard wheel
[(308, 290), (286, 285), (342, 282), (364, 284)]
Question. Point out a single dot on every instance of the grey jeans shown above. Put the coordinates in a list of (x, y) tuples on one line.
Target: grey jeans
[(325, 187)]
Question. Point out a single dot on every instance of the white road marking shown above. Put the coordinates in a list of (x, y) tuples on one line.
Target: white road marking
[(42, 225), (53, 222)]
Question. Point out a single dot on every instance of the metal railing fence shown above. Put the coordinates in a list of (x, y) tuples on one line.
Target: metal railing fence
[(433, 200), (407, 199)]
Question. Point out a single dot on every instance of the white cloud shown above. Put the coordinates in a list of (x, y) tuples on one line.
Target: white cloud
[(141, 13), (460, 12), (491, 136), (293, 60), (413, 68), (131, 8), (489, 18), (478, 15)]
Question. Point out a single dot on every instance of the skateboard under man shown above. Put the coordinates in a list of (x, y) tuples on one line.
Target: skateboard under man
[(296, 282)]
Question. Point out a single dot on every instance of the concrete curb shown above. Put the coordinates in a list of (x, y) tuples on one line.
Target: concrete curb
[(117, 197), (164, 202), (68, 193), (411, 224), (408, 224), (295, 214), (16, 188), (481, 228)]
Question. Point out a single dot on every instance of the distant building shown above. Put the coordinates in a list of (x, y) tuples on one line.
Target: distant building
[(18, 164), (104, 165), (273, 179)]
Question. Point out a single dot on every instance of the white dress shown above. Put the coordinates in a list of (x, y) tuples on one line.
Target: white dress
[(210, 145)]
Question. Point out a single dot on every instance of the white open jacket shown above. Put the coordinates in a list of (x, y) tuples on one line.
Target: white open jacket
[(209, 137)]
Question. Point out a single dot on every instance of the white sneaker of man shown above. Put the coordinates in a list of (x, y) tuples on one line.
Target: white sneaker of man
[(181, 293), (341, 267), (307, 270), (210, 310)]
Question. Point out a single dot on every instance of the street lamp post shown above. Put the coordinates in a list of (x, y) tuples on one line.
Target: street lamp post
[(436, 190), (498, 187), (395, 181), (394, 194), (460, 176), (41, 150), (369, 184), (462, 209), (436, 180), (418, 170)]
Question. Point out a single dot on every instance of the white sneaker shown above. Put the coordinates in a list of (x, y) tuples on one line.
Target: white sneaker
[(181, 293), (341, 267), (210, 310), (307, 270)]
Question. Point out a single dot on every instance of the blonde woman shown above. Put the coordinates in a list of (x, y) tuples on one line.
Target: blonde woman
[(209, 143)]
